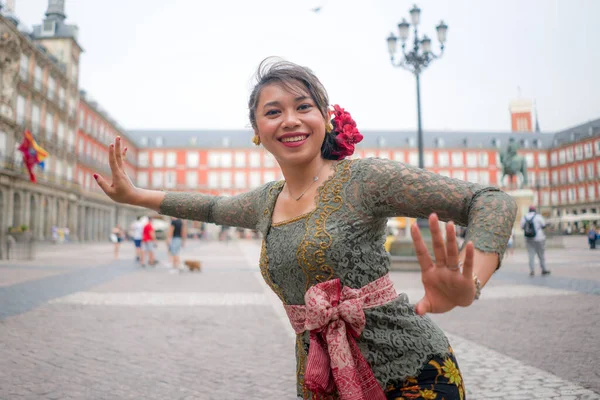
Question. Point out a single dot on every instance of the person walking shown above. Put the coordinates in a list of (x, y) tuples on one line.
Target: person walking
[(117, 238), (323, 233), (533, 225), (176, 237), (592, 237), (148, 244), (137, 232)]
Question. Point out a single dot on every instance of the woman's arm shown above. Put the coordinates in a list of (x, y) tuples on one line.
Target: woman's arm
[(389, 189)]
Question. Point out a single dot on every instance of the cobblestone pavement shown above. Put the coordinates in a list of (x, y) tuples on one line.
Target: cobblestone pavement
[(76, 324)]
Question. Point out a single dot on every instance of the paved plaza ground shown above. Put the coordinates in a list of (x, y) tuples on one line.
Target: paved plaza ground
[(77, 324)]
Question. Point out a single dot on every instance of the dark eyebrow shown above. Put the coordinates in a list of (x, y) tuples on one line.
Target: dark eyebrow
[(276, 103)]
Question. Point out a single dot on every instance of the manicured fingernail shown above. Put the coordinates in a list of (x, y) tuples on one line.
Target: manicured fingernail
[(96, 176), (118, 137)]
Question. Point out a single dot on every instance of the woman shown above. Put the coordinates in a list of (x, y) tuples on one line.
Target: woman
[(323, 234)]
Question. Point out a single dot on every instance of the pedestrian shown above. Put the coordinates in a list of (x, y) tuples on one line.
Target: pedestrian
[(323, 228), (176, 237), (148, 244), (511, 244), (592, 237), (137, 231), (116, 237), (533, 225)]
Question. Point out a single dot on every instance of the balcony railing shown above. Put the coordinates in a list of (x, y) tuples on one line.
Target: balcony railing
[(93, 164), (15, 165)]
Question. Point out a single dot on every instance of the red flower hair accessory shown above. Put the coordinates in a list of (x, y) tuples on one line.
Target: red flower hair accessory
[(347, 135)]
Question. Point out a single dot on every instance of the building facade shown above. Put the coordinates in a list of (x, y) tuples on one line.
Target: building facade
[(39, 92)]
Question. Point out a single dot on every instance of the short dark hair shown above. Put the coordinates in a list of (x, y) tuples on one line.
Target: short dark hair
[(292, 76)]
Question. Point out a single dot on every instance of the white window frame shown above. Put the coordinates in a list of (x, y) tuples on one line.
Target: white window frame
[(213, 159), (143, 159), (240, 180), (171, 159), (443, 159), (213, 180), (255, 160), (192, 159), (471, 160), (142, 179), (542, 160), (158, 179), (240, 159), (191, 179), (254, 179), (170, 179), (457, 159)]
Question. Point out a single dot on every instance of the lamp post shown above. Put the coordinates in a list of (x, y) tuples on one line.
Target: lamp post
[(417, 59)]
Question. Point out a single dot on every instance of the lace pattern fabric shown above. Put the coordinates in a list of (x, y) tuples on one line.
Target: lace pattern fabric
[(344, 237)]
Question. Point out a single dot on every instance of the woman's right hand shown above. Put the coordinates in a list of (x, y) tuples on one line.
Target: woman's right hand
[(121, 189)]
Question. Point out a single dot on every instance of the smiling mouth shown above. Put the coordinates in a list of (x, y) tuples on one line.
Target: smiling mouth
[(292, 139)]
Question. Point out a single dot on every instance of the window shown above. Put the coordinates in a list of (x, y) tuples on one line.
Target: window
[(554, 197), (563, 196), (88, 124), (213, 180), (60, 133), (240, 159), (269, 176), (24, 68), (213, 159), (143, 159), (226, 160), (226, 180), (192, 159), (142, 179), (81, 120), (457, 159), (529, 159), (563, 176), (171, 159), (590, 170), (269, 161), (579, 152), (158, 142), (144, 141), (240, 180), (411, 142), (555, 178), (571, 172), (255, 160), (597, 146), (445, 173), (51, 88), (443, 159), (553, 159), (497, 143), (157, 179), (569, 154), (58, 168), (580, 173), (35, 119), (88, 149), (471, 160), (598, 169), (562, 157), (399, 156), (20, 109), (80, 146), (439, 143), (524, 143), (544, 178), (158, 159), (484, 177), (37, 78), (2, 145), (591, 192), (170, 179), (483, 159), (61, 97), (581, 193), (428, 159), (587, 150), (80, 178), (254, 179), (386, 155), (545, 198), (49, 125), (74, 72), (542, 160), (473, 176), (413, 158), (532, 178), (458, 175), (191, 179)]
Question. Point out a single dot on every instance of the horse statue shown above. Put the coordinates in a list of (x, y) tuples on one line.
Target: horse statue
[(513, 164)]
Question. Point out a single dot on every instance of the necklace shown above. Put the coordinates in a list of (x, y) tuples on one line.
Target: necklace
[(315, 178)]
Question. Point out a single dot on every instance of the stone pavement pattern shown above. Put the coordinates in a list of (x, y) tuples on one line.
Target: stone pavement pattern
[(91, 327)]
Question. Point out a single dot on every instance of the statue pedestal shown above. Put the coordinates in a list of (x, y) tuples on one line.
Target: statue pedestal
[(524, 199)]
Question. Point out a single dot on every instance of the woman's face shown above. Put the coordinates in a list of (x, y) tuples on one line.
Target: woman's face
[(290, 125)]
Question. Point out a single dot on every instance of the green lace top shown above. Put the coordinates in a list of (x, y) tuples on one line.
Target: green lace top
[(344, 238)]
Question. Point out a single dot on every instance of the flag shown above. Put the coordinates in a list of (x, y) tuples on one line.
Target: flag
[(33, 154)]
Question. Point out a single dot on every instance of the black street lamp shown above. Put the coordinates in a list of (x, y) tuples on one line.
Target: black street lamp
[(417, 59)]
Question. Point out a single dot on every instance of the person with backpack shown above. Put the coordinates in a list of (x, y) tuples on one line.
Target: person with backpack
[(533, 226)]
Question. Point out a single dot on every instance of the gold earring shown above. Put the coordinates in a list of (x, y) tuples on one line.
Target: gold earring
[(256, 140), (328, 127)]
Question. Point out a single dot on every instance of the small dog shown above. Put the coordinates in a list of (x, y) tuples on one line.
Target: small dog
[(192, 265)]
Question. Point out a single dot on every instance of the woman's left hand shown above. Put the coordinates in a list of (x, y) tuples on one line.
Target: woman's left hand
[(446, 286)]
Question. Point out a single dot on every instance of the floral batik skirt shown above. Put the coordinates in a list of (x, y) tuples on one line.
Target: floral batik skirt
[(440, 379)]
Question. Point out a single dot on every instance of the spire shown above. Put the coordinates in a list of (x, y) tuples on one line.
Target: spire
[(537, 122), (56, 10)]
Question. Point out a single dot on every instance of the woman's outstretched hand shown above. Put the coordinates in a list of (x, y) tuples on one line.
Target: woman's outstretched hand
[(446, 285), (121, 189)]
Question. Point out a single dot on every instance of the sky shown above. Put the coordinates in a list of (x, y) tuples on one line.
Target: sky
[(189, 64)]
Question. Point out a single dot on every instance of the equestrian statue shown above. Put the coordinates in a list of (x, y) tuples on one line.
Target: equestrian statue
[(513, 164)]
